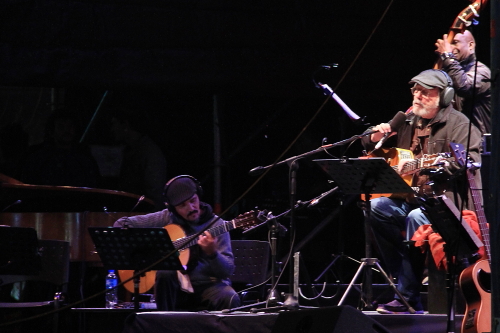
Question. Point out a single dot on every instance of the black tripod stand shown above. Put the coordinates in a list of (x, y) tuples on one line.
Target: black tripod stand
[(366, 176), (341, 256)]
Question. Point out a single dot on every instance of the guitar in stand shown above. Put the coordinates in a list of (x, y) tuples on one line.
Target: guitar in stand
[(475, 280)]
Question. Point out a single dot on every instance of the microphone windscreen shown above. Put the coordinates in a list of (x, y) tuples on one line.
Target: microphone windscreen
[(398, 121)]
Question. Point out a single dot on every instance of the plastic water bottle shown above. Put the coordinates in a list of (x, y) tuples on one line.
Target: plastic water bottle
[(111, 292)]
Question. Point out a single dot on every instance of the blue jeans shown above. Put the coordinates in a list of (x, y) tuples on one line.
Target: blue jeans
[(394, 222)]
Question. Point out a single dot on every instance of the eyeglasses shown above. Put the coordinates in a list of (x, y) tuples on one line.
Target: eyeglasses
[(424, 92)]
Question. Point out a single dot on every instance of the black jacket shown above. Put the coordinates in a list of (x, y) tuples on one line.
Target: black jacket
[(448, 126), (472, 90)]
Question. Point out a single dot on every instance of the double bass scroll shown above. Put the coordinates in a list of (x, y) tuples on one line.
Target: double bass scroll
[(462, 21)]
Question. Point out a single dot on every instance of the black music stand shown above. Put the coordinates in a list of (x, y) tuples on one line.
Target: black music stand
[(460, 239), (366, 176), (19, 254), (135, 249)]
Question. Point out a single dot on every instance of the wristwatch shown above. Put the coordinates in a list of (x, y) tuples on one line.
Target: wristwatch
[(446, 55)]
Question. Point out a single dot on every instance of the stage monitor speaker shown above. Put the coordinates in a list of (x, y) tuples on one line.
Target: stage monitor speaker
[(335, 319)]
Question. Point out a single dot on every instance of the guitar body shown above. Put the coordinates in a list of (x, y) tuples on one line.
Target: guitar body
[(475, 283), (392, 156), (182, 243), (148, 280)]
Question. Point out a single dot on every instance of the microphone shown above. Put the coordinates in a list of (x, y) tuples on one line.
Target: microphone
[(257, 171), (17, 202), (316, 200), (396, 123), (329, 91), (330, 66), (138, 202)]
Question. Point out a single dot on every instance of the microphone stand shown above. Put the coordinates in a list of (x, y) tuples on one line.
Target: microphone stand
[(260, 169), (273, 297), (276, 228), (291, 301)]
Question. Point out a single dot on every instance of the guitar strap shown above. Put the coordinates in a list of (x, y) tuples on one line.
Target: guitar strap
[(419, 148), (420, 138)]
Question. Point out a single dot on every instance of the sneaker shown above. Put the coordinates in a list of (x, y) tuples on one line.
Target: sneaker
[(396, 307)]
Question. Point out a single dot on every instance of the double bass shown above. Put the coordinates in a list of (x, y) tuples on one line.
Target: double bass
[(462, 21)]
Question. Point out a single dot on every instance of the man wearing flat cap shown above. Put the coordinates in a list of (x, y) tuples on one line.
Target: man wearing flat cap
[(204, 284), (431, 125)]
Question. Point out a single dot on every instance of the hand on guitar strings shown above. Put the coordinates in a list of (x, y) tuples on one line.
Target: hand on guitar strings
[(207, 243)]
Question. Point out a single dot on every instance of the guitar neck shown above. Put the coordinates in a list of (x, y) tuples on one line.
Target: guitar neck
[(220, 229), (415, 165), (481, 218)]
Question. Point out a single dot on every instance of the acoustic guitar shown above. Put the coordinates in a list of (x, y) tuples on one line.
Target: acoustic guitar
[(475, 280), (182, 243), (393, 156)]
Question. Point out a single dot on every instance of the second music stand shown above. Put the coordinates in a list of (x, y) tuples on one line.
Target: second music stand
[(19, 254), (366, 176), (135, 249)]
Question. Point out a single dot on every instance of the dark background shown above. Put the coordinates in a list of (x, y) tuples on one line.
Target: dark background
[(169, 60)]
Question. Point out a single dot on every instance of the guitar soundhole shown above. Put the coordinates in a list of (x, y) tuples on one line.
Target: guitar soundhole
[(484, 279)]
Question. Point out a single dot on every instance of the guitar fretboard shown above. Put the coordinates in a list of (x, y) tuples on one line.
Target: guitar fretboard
[(180, 244), (481, 218), (243, 221), (416, 164), (461, 158)]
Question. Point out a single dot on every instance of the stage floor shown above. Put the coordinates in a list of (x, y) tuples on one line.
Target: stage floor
[(342, 319), (415, 323)]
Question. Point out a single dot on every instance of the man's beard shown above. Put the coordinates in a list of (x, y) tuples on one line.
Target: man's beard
[(426, 112), (190, 216)]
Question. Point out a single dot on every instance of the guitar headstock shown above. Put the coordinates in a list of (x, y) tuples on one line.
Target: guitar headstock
[(249, 219), (459, 153), (432, 161), (429, 161)]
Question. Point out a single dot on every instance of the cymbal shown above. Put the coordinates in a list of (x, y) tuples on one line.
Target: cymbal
[(9, 180), (42, 198)]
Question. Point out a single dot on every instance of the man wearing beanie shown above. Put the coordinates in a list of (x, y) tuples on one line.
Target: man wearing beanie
[(205, 283), (432, 123)]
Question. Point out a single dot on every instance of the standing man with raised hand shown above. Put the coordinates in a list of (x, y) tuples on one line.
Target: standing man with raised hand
[(471, 78)]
